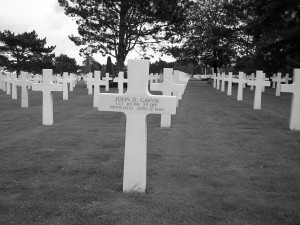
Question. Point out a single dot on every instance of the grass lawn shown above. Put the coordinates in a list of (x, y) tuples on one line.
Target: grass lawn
[(221, 162)]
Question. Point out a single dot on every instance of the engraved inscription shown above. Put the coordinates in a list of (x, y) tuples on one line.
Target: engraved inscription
[(136, 104)]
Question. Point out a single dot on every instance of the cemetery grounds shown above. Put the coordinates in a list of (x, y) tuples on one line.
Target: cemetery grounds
[(221, 162)]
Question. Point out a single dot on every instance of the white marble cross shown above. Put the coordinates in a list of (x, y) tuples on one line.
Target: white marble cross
[(136, 103), (14, 90), (167, 87), (24, 83), (47, 87), (107, 79), (8, 83), (229, 79), (223, 76), (287, 78), (4, 83), (273, 78), (1, 81), (65, 80), (214, 77), (258, 83), (97, 82), (176, 80), (121, 80), (89, 79), (218, 81), (295, 107), (241, 81), (278, 81), (265, 79)]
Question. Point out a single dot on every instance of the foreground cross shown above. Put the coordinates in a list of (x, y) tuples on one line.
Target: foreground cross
[(167, 87), (258, 83), (136, 103), (47, 87), (295, 108)]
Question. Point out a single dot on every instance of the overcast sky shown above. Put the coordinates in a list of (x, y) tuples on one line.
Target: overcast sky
[(47, 18)]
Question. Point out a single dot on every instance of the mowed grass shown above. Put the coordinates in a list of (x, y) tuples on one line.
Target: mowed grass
[(221, 162)]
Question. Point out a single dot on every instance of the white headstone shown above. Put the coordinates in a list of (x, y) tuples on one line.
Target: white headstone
[(215, 80), (97, 82), (176, 80), (8, 83), (120, 79), (14, 91), (218, 81), (273, 78), (266, 79), (223, 76), (295, 107), (47, 87), (107, 79), (136, 103), (24, 83), (278, 80), (4, 83), (258, 83), (89, 84), (65, 80), (241, 81), (229, 79), (167, 87), (287, 78)]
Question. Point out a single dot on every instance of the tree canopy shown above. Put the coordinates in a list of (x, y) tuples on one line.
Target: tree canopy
[(115, 27), (25, 52), (63, 63), (246, 34)]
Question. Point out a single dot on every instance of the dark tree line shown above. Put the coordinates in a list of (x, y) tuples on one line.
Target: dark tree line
[(27, 52), (245, 34)]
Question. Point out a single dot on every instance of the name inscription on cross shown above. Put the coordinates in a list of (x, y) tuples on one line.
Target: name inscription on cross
[(295, 107), (47, 87), (136, 103), (24, 83), (167, 87), (259, 82), (120, 79)]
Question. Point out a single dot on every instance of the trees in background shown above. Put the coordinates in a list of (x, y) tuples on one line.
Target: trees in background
[(246, 34), (25, 52), (115, 27), (63, 63)]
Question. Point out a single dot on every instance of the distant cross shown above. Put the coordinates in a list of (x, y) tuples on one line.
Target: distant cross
[(136, 103), (65, 80), (273, 78), (1, 81), (97, 82), (8, 80), (214, 77), (295, 108), (14, 91), (241, 81), (89, 85), (287, 78), (258, 83), (223, 82), (252, 77), (24, 83), (47, 87), (229, 80), (156, 78), (167, 87), (107, 79), (121, 80), (278, 81), (265, 79), (176, 80), (151, 78), (218, 81)]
